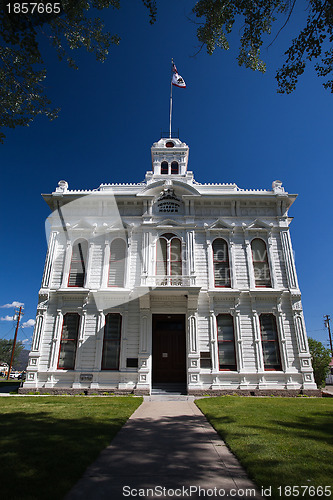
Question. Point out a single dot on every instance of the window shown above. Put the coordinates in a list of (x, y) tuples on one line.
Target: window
[(117, 263), (262, 275), (164, 167), (68, 342), (174, 167), (226, 342), (221, 263), (168, 256), (78, 264), (270, 342), (111, 342)]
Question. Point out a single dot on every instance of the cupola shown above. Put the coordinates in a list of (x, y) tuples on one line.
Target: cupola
[(169, 158)]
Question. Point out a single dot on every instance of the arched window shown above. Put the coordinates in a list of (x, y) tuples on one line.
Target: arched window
[(221, 263), (77, 271), (270, 342), (262, 275), (111, 342), (169, 257), (117, 263), (174, 167), (68, 342), (226, 342), (164, 167)]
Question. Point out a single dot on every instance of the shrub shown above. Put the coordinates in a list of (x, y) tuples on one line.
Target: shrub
[(321, 358)]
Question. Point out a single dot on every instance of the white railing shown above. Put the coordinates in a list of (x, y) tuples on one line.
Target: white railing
[(168, 280)]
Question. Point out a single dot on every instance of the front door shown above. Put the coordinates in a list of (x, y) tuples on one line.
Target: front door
[(169, 348)]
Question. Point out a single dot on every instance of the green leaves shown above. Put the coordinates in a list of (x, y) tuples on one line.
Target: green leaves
[(6, 347), (258, 17), (321, 358), (22, 71)]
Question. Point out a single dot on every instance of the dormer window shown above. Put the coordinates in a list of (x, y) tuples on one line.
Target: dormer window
[(169, 144), (164, 168), (174, 167)]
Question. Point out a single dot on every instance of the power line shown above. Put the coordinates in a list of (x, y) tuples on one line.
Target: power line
[(327, 320)]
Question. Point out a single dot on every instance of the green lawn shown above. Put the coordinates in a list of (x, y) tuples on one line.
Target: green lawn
[(280, 441), (46, 443)]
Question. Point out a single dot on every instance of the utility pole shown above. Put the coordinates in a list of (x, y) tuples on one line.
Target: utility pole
[(327, 319), (14, 343)]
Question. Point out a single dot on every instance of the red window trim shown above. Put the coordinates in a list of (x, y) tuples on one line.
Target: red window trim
[(224, 341), (169, 262), (118, 363), (224, 261), (266, 261), (275, 341), (77, 338)]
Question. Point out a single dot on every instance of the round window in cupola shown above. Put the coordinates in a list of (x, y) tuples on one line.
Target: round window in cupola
[(169, 144)]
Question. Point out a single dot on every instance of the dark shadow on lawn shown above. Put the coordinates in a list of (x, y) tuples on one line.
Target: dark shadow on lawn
[(256, 452), (42, 456)]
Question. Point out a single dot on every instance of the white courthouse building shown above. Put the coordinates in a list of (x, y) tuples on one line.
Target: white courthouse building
[(170, 281)]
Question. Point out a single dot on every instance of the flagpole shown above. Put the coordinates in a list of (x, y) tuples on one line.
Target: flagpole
[(170, 102)]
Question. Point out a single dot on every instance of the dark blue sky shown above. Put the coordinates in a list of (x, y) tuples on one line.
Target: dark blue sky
[(238, 128)]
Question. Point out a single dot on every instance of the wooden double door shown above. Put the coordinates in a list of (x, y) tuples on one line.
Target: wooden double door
[(169, 348)]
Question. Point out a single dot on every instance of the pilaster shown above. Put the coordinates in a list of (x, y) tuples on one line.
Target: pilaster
[(49, 260), (67, 264), (303, 349), (145, 345), (193, 353), (289, 259)]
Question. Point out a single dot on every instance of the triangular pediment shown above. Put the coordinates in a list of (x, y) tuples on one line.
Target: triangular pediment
[(169, 222), (259, 224), (220, 224), (83, 224)]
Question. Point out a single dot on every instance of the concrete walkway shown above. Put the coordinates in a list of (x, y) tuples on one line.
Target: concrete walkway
[(165, 444)]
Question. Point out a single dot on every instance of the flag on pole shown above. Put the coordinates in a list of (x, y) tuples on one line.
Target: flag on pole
[(177, 80)]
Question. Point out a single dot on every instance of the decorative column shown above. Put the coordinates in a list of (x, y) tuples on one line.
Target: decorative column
[(193, 354), (282, 336), (145, 346), (214, 348), (98, 348), (249, 263), (56, 340), (88, 265), (34, 355), (49, 260), (37, 330), (271, 260), (232, 261), (213, 341), (78, 357), (67, 264), (128, 257), (190, 254), (257, 341), (288, 258), (145, 257), (211, 281), (238, 339), (106, 263), (303, 349)]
